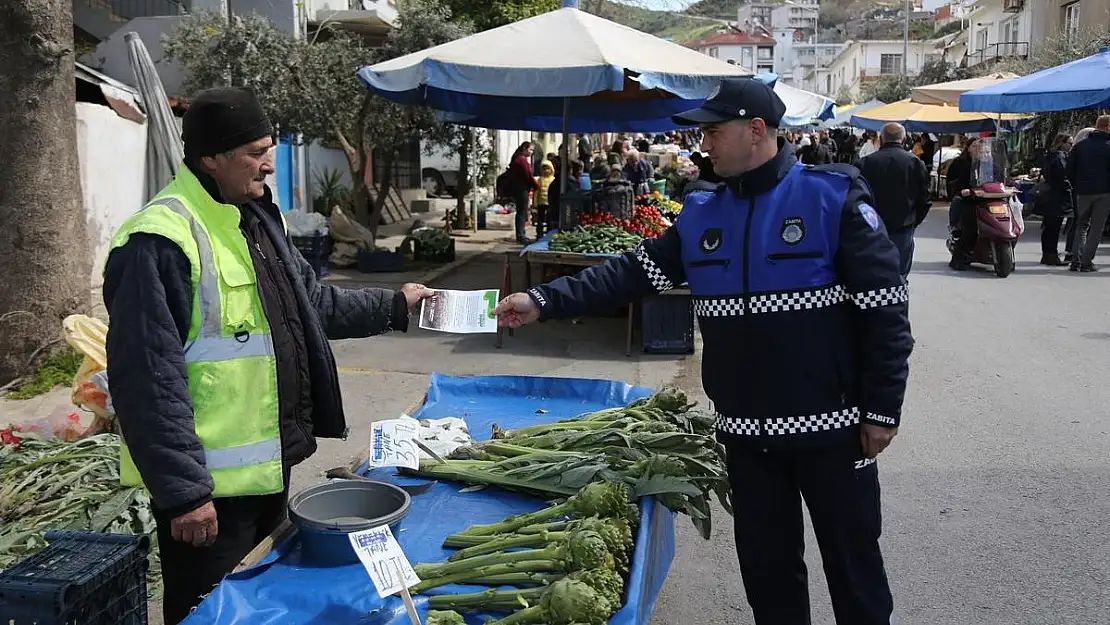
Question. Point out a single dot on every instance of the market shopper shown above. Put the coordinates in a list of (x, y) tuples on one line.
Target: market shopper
[(900, 185), (803, 310), (1089, 172), (520, 184), (222, 376)]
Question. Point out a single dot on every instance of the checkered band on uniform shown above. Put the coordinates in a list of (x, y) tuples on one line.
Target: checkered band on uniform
[(882, 297), (719, 307), (798, 300), (655, 275), (776, 426)]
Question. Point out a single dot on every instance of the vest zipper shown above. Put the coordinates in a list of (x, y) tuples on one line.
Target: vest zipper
[(747, 286)]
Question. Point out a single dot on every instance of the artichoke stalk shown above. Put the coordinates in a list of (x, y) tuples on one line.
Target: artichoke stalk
[(615, 532), (566, 602), (441, 617), (605, 582), (595, 499)]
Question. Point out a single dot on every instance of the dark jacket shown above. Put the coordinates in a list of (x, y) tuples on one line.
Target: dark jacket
[(149, 297), (1089, 164), (798, 295), (959, 174), (815, 154), (1058, 200), (900, 185)]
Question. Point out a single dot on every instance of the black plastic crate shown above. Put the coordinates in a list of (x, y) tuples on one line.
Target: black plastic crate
[(572, 204), (316, 250), (380, 261), (667, 323), (80, 578)]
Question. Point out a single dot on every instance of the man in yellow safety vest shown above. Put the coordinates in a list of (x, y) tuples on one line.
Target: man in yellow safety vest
[(221, 373)]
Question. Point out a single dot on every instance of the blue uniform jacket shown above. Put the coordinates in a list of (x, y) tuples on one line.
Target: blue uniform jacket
[(798, 295)]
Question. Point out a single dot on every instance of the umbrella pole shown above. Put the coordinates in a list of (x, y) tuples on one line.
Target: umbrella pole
[(563, 154)]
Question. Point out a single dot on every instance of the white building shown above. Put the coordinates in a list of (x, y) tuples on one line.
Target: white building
[(752, 51), (998, 29), (794, 15), (862, 62)]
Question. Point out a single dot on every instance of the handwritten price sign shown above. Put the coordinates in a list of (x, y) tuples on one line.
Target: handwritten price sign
[(382, 557), (393, 443)]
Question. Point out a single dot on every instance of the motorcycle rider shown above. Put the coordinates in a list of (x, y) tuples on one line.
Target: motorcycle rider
[(961, 218)]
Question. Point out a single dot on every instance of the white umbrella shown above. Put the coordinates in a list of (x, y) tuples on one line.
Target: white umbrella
[(949, 92)]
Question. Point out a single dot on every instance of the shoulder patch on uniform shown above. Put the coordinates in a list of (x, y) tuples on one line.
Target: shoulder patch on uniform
[(869, 215)]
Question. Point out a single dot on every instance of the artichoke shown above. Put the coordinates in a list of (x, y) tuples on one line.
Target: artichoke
[(614, 531), (565, 602), (442, 617)]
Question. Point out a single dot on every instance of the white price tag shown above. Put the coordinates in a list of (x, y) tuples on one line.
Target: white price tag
[(393, 443), (380, 553)]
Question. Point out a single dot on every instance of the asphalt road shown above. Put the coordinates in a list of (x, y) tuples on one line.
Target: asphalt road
[(995, 492)]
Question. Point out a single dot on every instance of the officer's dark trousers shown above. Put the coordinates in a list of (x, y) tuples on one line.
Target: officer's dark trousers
[(843, 501)]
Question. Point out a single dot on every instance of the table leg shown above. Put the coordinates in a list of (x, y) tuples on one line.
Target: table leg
[(527, 273), (628, 340)]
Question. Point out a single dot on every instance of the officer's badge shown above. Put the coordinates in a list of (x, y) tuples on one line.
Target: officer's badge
[(870, 216), (711, 240), (793, 230)]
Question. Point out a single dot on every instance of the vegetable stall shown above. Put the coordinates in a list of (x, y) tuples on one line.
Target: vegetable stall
[(562, 510), (667, 320)]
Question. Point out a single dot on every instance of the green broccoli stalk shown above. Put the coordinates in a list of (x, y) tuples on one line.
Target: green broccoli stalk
[(602, 499), (439, 617), (615, 532), (570, 546), (566, 602), (605, 582), (581, 550)]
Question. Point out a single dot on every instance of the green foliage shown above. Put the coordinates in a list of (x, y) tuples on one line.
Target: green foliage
[(1050, 52), (484, 14), (889, 88), (57, 369), (723, 9), (844, 96), (331, 191), (950, 28)]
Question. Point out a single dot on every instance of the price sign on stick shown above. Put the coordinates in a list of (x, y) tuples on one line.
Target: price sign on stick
[(393, 443), (380, 553)]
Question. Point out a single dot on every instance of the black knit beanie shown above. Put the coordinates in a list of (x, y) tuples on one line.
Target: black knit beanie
[(222, 119)]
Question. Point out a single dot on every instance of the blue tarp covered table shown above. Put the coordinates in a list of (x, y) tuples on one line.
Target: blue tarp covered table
[(284, 589)]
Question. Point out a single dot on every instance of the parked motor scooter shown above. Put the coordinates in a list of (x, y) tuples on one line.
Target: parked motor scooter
[(997, 213)]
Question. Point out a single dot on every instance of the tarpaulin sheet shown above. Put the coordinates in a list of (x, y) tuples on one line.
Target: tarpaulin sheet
[(284, 589)]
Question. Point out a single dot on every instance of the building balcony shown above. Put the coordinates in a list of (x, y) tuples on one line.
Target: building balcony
[(995, 51), (369, 17), (101, 18)]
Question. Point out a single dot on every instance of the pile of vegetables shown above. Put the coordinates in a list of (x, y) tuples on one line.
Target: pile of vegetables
[(657, 446), (431, 242), (572, 566), (668, 208), (54, 484), (646, 221), (594, 239)]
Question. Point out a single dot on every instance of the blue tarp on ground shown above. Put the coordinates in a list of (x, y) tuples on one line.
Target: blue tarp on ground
[(283, 589)]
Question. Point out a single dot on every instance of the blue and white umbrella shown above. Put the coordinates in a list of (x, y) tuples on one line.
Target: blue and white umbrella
[(1082, 84)]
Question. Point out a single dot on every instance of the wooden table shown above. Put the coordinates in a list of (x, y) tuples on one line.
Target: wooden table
[(563, 259)]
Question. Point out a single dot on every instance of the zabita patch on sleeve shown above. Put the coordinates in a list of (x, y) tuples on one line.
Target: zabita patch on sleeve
[(869, 215)]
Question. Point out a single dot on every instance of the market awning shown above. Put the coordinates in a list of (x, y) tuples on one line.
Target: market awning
[(1082, 84), (844, 117), (949, 92), (929, 118), (599, 69)]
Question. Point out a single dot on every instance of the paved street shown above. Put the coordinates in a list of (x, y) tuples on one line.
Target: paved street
[(995, 491)]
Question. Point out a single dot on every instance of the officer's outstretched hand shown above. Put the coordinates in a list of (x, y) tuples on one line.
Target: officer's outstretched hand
[(875, 438), (516, 310), (415, 293)]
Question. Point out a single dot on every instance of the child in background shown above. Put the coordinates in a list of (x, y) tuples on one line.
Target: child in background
[(547, 175)]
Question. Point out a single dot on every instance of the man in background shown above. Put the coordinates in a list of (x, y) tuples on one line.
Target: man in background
[(1089, 172), (900, 187)]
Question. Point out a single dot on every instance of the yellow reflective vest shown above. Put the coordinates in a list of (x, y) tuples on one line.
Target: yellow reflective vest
[(229, 355)]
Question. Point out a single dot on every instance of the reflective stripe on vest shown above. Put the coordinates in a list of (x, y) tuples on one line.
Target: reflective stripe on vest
[(210, 345)]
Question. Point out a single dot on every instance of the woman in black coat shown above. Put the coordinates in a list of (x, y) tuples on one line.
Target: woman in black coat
[(1055, 202)]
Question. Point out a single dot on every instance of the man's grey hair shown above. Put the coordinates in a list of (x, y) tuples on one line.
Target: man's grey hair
[(1102, 123), (894, 133)]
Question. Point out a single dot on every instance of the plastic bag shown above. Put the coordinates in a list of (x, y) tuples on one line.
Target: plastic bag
[(90, 386), (348, 238), (302, 224)]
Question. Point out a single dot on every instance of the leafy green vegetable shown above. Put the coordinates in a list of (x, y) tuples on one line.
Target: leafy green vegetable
[(57, 369)]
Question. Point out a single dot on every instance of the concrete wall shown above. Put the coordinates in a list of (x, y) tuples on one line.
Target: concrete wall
[(1047, 16), (110, 57), (111, 154)]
